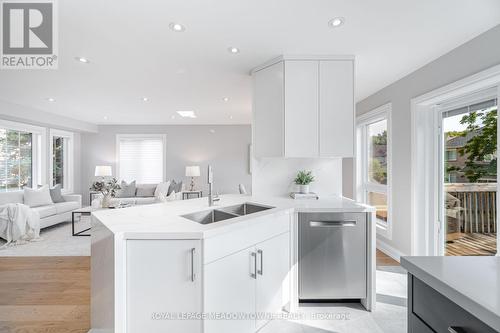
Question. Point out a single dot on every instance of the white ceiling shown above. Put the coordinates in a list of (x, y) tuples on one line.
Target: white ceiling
[(133, 52)]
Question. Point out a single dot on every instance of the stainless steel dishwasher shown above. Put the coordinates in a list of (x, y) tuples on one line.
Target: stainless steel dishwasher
[(332, 256)]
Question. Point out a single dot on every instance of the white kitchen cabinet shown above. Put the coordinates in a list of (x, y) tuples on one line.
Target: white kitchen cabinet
[(301, 101), (249, 282), (273, 265), (309, 113), (268, 97), (230, 289), (336, 111), (162, 277)]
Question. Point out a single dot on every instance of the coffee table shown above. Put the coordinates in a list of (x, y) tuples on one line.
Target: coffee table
[(81, 211)]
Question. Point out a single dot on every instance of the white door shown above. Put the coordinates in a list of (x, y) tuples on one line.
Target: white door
[(273, 265), (336, 108), (163, 278), (268, 112), (229, 291), (301, 108)]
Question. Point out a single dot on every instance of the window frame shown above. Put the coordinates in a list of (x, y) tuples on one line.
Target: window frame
[(39, 148), (363, 184), (69, 159), (119, 137)]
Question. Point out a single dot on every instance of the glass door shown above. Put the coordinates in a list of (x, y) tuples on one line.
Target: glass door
[(469, 173)]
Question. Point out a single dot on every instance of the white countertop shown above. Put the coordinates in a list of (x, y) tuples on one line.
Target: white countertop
[(164, 219), (471, 282)]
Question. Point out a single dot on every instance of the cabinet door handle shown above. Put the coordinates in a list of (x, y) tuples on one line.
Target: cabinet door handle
[(261, 269), (254, 273), (193, 275), (453, 329)]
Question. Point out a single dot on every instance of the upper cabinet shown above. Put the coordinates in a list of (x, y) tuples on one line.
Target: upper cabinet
[(304, 107)]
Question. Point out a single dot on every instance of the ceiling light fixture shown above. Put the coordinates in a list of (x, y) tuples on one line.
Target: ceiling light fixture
[(82, 59), (145, 99), (230, 117), (50, 99), (233, 50), (336, 22), (177, 27), (226, 99), (187, 114), (105, 117)]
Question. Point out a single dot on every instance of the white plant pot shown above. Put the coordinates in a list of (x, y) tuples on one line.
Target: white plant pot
[(303, 189)]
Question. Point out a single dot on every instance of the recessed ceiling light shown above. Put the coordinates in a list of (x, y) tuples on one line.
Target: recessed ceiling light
[(173, 117), (144, 99), (50, 99), (82, 59), (187, 114), (177, 27), (226, 99), (233, 50), (105, 117), (336, 22), (230, 117), (212, 131)]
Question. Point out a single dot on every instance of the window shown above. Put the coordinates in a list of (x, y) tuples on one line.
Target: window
[(61, 157), (21, 156), (141, 158), (374, 164), (451, 155)]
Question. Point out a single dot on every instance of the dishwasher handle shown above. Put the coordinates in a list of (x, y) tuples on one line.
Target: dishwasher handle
[(329, 224)]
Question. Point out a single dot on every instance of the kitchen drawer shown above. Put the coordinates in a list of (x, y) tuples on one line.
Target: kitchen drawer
[(440, 313), (258, 230)]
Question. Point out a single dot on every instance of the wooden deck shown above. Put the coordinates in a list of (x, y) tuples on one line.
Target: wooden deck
[(471, 244)]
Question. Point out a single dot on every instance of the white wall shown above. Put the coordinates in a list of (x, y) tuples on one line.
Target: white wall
[(474, 56), (226, 150), (274, 176)]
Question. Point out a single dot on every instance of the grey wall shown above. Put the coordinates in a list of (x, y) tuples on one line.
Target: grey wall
[(226, 150), (474, 56)]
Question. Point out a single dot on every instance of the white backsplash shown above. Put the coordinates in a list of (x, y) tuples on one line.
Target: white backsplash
[(274, 176)]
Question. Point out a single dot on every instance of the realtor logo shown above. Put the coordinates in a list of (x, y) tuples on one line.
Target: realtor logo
[(29, 35)]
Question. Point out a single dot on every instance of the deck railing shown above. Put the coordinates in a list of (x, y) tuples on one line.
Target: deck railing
[(472, 206)]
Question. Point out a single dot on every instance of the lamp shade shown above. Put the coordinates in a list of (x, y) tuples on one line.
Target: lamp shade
[(103, 171), (193, 171)]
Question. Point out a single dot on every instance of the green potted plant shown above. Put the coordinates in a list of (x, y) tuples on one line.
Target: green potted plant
[(302, 180), (107, 188)]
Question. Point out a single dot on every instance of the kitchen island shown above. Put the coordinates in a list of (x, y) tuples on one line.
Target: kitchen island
[(453, 294), (155, 268)]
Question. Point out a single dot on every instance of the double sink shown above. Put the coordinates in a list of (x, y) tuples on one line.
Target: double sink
[(225, 213)]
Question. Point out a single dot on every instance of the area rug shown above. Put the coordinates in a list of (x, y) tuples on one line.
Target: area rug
[(56, 241)]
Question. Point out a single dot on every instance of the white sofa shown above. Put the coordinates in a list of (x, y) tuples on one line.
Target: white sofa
[(50, 214)]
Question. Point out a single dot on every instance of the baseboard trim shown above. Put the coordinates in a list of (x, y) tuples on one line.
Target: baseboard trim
[(389, 250)]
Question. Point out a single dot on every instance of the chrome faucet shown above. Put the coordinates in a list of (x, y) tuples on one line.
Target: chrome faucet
[(211, 198)]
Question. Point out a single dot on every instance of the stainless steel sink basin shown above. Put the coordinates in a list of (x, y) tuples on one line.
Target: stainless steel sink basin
[(224, 213), (209, 216), (245, 208)]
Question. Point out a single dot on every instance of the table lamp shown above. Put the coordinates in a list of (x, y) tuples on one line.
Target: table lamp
[(192, 171)]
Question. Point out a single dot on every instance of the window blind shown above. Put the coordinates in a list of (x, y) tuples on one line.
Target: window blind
[(141, 159)]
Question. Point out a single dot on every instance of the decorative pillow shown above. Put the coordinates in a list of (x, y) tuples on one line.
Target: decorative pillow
[(38, 197), (162, 188), (56, 195), (145, 190), (171, 187), (178, 187), (171, 197), (127, 190)]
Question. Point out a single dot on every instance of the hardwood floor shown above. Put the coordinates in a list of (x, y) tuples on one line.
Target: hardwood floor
[(52, 294), (384, 260), (44, 294)]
